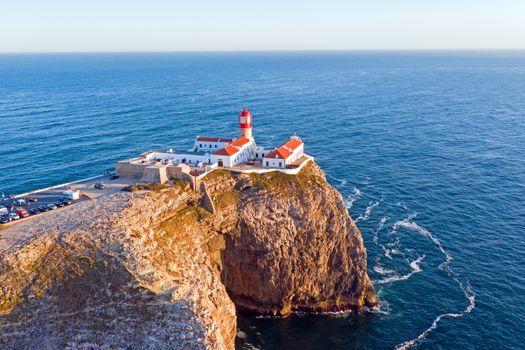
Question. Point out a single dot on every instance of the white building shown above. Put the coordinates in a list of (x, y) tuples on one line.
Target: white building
[(283, 156), (208, 153)]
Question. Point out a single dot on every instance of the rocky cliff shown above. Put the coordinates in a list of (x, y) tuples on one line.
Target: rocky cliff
[(165, 269)]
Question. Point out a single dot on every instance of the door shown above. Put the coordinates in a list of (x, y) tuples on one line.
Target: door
[(221, 162)]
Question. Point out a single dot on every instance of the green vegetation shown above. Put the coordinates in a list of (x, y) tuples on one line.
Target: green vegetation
[(154, 187), (217, 174), (278, 181), (227, 198)]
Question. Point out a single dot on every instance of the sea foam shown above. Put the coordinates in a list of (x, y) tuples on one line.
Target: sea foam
[(368, 211), (445, 265)]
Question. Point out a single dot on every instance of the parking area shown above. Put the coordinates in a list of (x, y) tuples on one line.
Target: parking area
[(39, 201)]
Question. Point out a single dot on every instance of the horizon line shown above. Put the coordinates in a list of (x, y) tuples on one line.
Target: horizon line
[(262, 51)]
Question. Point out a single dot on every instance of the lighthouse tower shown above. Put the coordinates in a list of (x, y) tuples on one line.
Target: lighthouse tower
[(245, 124)]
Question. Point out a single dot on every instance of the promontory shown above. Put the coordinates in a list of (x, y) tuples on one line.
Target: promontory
[(168, 266)]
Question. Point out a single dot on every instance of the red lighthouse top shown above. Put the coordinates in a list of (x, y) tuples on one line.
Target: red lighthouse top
[(245, 119), (245, 113)]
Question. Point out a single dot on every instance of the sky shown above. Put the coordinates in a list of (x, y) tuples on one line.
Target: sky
[(232, 25)]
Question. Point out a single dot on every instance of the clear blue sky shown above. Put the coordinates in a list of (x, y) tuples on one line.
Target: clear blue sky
[(162, 25)]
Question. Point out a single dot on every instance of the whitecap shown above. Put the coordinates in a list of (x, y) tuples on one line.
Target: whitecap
[(342, 182), (382, 222), (402, 205), (356, 194), (382, 308), (467, 290), (472, 304), (414, 266), (368, 211), (382, 271), (410, 225)]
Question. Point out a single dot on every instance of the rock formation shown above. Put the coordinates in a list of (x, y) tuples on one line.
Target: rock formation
[(161, 270)]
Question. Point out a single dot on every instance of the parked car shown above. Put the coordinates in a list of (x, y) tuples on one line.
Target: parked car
[(4, 219), (34, 211), (51, 206), (66, 201), (21, 212), (59, 204), (32, 199), (101, 186), (14, 216), (43, 208), (3, 210), (113, 177), (20, 202)]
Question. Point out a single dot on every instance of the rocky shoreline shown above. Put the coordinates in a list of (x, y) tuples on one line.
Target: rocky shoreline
[(163, 270)]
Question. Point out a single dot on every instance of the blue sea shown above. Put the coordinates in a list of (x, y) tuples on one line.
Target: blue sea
[(427, 148)]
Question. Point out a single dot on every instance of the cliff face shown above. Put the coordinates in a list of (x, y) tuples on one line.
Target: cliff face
[(293, 246), (158, 270)]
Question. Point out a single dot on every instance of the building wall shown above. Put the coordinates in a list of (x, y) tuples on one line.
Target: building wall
[(129, 170), (208, 146), (226, 160), (259, 152), (296, 154), (274, 163), (188, 158)]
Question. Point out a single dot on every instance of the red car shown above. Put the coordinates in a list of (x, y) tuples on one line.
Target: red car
[(22, 213)]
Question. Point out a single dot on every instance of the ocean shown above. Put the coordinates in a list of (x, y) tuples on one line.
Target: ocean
[(427, 148)]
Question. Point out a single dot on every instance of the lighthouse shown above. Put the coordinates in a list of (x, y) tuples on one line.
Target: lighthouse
[(245, 124)]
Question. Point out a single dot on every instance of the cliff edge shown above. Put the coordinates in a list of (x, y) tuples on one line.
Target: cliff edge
[(166, 269)]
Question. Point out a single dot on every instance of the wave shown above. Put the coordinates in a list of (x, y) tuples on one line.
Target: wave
[(402, 205), (414, 266), (356, 194), (389, 252), (342, 182), (471, 296), (383, 308), (410, 225), (467, 290), (368, 211), (382, 223), (382, 271)]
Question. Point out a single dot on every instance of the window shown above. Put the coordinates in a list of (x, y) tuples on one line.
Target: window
[(280, 164), (267, 163), (200, 145), (210, 146), (256, 155), (215, 146)]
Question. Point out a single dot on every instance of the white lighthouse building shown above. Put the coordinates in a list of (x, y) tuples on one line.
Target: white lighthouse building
[(239, 154)]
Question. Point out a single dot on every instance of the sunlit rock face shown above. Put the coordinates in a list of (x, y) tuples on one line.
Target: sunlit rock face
[(159, 270)]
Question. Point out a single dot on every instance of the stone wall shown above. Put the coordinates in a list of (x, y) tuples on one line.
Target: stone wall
[(129, 170)]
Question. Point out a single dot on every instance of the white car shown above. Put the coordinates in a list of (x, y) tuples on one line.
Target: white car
[(14, 216), (20, 202)]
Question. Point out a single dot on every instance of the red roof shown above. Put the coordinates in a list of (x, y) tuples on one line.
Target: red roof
[(240, 142), (229, 150), (280, 153), (285, 150), (292, 144), (213, 139), (245, 112)]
